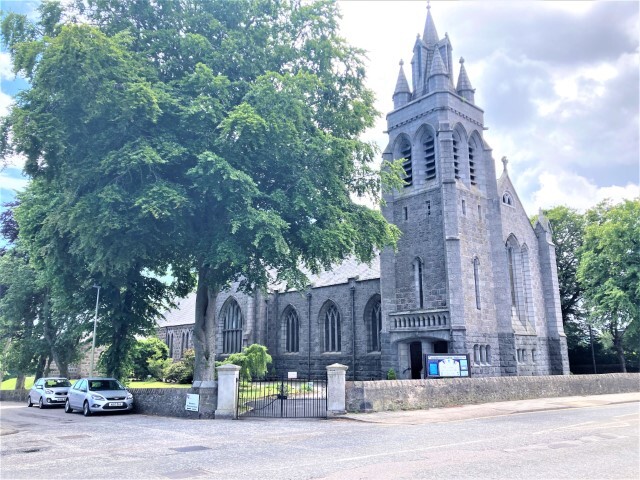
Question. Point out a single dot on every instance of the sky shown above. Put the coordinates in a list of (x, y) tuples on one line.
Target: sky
[(558, 82)]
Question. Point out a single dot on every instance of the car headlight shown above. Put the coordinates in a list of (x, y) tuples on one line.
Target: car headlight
[(129, 396), (95, 396), (49, 392)]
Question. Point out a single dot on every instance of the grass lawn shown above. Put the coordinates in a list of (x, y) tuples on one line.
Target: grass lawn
[(10, 384)]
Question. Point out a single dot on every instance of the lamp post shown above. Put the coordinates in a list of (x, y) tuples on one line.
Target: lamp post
[(95, 322)]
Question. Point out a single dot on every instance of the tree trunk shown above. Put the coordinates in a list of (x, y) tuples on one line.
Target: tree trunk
[(20, 381), (204, 331), (40, 367), (617, 343), (50, 335), (47, 369)]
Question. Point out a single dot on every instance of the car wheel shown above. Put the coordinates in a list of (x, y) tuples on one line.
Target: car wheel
[(40, 403), (86, 410), (67, 407), (29, 404)]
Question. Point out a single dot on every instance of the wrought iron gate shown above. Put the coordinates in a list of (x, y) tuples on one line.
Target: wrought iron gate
[(282, 398)]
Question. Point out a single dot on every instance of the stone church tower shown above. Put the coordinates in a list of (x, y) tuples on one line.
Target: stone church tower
[(470, 274)]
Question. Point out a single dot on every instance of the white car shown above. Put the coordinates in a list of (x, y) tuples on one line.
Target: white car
[(92, 395), (49, 391)]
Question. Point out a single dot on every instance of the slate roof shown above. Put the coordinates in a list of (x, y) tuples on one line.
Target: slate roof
[(184, 313)]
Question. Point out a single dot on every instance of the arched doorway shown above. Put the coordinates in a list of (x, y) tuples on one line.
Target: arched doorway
[(415, 352)]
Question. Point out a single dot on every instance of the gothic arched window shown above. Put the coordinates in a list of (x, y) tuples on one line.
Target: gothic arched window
[(506, 199), (376, 327), (332, 332), (293, 331), (476, 280), (232, 328), (418, 277)]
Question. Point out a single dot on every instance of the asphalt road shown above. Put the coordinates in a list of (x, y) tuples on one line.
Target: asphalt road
[(599, 442)]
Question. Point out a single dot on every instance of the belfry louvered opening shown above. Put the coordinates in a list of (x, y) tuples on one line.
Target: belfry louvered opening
[(430, 157)]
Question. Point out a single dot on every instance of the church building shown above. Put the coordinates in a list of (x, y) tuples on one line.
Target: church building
[(470, 275)]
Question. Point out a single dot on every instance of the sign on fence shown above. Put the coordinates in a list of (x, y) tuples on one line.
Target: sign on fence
[(447, 366)]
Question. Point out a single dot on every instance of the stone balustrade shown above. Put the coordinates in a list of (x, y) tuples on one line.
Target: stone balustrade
[(436, 319)]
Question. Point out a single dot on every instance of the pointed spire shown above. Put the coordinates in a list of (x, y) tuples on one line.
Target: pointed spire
[(463, 78), (430, 36), (437, 65), (464, 89), (402, 93), (402, 85)]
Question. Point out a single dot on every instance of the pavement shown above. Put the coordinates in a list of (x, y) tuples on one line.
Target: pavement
[(486, 410)]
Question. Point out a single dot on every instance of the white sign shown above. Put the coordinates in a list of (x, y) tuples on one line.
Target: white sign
[(291, 375), (193, 402)]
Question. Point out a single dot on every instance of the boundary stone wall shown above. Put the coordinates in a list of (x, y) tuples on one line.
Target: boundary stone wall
[(167, 402), (384, 395)]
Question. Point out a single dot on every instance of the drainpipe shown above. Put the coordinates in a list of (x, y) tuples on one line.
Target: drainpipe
[(266, 314), (353, 327), (309, 336)]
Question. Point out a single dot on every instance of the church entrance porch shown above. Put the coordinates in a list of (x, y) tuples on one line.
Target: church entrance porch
[(411, 352), (415, 349)]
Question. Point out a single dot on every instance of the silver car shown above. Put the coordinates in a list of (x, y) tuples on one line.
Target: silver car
[(48, 391), (92, 395)]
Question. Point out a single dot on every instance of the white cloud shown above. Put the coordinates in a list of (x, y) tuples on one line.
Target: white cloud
[(567, 188), (6, 72), (5, 103)]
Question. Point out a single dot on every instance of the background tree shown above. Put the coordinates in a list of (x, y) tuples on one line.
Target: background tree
[(216, 139), (609, 270)]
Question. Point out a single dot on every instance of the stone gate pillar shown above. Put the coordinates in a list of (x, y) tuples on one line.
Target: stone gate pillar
[(336, 394), (227, 391)]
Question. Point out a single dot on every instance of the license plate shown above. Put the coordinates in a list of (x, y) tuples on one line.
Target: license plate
[(116, 404), (60, 399)]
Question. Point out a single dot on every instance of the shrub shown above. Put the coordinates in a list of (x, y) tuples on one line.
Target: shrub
[(145, 350), (182, 371), (391, 374), (253, 361)]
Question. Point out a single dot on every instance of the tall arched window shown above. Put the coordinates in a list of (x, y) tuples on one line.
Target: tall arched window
[(182, 343), (171, 345), (526, 280), (376, 327), (232, 328), (476, 279), (418, 278), (512, 277), (293, 331), (332, 332), (516, 283)]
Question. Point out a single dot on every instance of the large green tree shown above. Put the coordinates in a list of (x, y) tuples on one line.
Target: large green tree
[(218, 140), (609, 270)]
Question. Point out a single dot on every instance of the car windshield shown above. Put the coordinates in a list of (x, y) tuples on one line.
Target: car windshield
[(57, 382), (97, 385)]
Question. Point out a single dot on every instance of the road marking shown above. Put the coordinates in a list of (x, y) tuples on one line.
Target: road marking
[(563, 428)]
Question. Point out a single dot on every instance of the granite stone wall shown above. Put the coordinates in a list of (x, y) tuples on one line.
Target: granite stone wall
[(166, 402), (383, 395)]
